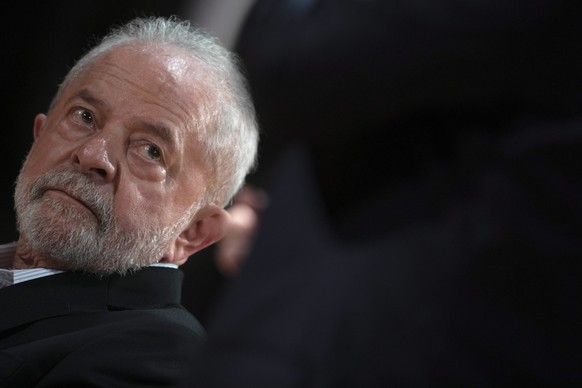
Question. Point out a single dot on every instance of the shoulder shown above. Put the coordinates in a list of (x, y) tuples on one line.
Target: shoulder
[(118, 348)]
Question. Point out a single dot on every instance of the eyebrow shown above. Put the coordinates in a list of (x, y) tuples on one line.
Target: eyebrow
[(161, 131), (86, 95)]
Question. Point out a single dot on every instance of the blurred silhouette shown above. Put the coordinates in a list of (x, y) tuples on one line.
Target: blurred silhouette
[(422, 162)]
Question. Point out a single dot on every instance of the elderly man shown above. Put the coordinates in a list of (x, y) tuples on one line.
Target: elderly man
[(148, 137)]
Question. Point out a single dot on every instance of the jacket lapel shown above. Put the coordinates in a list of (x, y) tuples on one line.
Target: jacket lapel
[(72, 292)]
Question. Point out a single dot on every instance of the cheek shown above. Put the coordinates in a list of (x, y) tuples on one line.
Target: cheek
[(44, 155), (141, 209)]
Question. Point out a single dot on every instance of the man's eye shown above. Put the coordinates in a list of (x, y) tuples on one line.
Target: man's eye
[(152, 152), (84, 116)]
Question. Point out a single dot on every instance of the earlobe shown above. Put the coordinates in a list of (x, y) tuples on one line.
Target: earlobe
[(39, 121), (209, 226)]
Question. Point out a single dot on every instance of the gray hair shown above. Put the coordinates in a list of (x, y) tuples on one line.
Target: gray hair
[(225, 123)]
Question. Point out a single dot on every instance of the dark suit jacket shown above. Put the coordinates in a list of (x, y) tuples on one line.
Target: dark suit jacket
[(76, 330)]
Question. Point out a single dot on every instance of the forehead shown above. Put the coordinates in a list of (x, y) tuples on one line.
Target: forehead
[(148, 67), (151, 78)]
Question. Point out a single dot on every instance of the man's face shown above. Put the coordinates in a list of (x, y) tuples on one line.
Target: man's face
[(115, 166)]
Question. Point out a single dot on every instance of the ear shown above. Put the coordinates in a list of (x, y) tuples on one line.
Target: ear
[(39, 121), (208, 226)]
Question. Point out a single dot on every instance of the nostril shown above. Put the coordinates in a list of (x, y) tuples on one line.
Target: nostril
[(100, 171)]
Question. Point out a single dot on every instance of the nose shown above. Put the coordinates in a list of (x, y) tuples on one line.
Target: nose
[(93, 157)]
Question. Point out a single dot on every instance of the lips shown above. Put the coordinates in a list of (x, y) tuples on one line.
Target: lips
[(70, 189), (71, 197)]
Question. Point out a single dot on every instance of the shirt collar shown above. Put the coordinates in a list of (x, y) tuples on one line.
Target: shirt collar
[(14, 276)]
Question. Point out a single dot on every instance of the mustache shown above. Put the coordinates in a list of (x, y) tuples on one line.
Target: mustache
[(78, 186)]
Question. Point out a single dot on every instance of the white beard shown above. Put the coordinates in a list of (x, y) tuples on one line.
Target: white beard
[(80, 241)]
